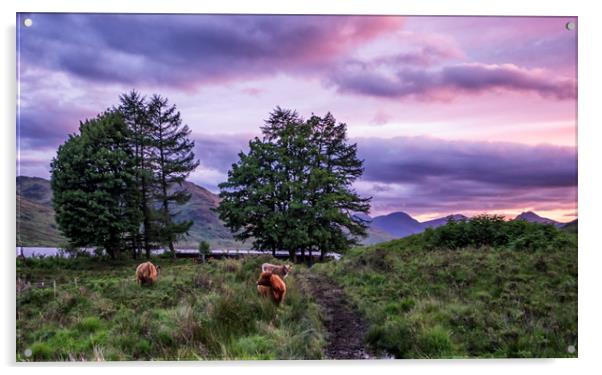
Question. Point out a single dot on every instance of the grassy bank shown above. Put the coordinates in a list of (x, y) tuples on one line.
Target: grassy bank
[(195, 311), (433, 296)]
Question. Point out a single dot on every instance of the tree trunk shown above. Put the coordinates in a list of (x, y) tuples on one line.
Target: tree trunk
[(310, 261), (321, 255), (172, 249), (111, 251)]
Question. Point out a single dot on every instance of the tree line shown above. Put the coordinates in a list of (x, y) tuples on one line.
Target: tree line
[(117, 182)]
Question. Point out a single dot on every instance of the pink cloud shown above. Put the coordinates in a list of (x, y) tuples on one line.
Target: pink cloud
[(450, 81)]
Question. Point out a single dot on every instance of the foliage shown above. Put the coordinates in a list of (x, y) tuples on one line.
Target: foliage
[(204, 249), (292, 190), (515, 299), (494, 231), (211, 311), (91, 180), (174, 160), (115, 184)]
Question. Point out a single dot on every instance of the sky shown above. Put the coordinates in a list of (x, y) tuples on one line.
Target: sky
[(451, 114)]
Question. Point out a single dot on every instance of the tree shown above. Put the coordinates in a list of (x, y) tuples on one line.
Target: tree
[(334, 167), (92, 183), (133, 110), (250, 206), (204, 250), (173, 161), (292, 190)]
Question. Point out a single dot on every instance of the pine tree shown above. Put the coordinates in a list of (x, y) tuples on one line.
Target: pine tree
[(173, 161), (91, 180), (133, 110)]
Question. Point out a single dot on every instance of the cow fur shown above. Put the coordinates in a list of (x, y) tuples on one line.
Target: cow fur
[(146, 273)]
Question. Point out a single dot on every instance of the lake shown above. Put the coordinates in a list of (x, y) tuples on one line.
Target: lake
[(54, 251)]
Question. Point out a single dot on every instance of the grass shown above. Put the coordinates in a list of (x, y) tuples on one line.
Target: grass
[(488, 302), (195, 312)]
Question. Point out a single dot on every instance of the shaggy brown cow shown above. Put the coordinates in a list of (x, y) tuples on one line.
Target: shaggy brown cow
[(281, 271), (271, 282), (146, 273)]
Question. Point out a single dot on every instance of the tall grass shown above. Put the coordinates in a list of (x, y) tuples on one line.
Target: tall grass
[(425, 298), (195, 311)]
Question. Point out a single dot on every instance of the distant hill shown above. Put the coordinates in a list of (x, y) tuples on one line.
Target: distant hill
[(398, 224), (35, 189), (572, 226), (36, 225), (535, 218), (207, 225), (442, 221)]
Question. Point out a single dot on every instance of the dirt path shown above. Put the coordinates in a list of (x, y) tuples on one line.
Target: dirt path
[(346, 327)]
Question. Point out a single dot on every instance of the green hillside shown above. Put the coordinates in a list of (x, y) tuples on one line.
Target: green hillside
[(424, 299), (36, 225), (207, 225), (35, 189)]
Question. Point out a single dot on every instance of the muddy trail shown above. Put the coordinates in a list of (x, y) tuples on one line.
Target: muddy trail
[(345, 325)]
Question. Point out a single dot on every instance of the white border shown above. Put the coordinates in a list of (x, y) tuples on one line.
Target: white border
[(590, 178)]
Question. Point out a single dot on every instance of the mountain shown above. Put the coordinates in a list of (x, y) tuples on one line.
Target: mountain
[(535, 218), (206, 224), (35, 189), (572, 226), (442, 221), (398, 224), (36, 225)]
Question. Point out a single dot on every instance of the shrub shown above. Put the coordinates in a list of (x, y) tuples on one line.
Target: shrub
[(395, 337), (42, 352)]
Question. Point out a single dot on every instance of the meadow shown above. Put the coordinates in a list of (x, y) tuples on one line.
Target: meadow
[(194, 312), (481, 288)]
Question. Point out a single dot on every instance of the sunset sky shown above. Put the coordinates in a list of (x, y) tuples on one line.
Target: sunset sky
[(451, 114)]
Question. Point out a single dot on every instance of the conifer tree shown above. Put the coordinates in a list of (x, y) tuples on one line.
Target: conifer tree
[(173, 161), (134, 112)]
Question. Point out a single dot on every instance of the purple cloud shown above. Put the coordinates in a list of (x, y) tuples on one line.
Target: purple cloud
[(448, 81), (422, 160), (189, 50)]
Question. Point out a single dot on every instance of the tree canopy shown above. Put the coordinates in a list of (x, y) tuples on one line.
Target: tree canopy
[(292, 190), (117, 183)]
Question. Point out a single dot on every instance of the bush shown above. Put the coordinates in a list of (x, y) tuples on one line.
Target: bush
[(41, 351), (494, 231)]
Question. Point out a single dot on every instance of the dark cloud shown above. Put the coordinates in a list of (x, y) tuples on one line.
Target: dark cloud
[(421, 160), (189, 50), (430, 175), (447, 82), (423, 175)]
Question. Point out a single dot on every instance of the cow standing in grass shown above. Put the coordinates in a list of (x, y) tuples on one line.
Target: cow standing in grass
[(271, 282), (281, 271), (146, 273)]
